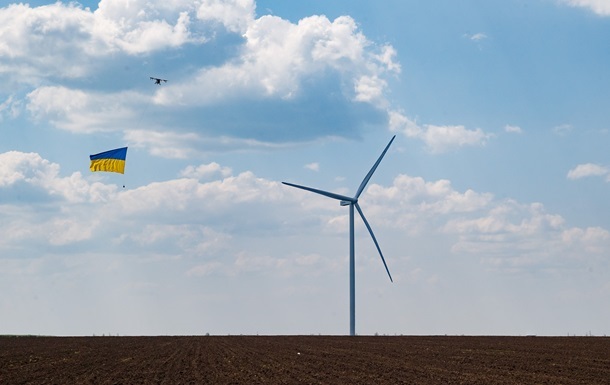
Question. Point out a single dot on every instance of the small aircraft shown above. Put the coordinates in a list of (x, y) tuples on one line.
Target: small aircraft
[(157, 80)]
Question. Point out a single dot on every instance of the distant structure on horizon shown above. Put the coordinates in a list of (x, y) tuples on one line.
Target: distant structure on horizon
[(353, 202)]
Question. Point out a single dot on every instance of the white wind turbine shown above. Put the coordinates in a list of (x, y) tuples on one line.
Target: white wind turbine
[(353, 202)]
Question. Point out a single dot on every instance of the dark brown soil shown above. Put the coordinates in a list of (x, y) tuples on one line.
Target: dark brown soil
[(304, 360)]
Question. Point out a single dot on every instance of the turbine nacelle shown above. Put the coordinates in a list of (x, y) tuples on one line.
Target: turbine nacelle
[(345, 203)]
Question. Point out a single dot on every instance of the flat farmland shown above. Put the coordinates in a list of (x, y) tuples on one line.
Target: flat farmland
[(304, 360)]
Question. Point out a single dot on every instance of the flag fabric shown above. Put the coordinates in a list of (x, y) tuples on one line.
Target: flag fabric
[(111, 161)]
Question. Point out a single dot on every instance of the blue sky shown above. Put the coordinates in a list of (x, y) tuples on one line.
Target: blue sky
[(490, 206)]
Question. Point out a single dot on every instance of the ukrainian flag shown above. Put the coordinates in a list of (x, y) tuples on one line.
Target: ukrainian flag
[(111, 161)]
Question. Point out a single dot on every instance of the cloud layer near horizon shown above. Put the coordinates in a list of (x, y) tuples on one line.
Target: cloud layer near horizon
[(164, 216)]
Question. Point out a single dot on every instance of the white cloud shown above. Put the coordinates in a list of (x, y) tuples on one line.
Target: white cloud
[(36, 172), (181, 195), (479, 39), (38, 40), (476, 37), (10, 108), (588, 169), (513, 237), (369, 89), (165, 144), (592, 239), (513, 129), (177, 145), (401, 123), (430, 197), (442, 138), (278, 55), (313, 166), (388, 58), (66, 41), (141, 26), (152, 35), (65, 231), (438, 139), (83, 112), (600, 7), (205, 171), (562, 129), (504, 234), (235, 15), (508, 218), (40, 207), (274, 64), (50, 232)]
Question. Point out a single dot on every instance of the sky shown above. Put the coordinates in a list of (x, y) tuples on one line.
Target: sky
[(490, 206)]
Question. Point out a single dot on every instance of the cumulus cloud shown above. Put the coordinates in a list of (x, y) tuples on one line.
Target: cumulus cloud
[(278, 56), (83, 112), (55, 55), (504, 234), (182, 145), (17, 168), (164, 219), (41, 205), (587, 170), (64, 40), (512, 236), (443, 138), (279, 68), (73, 209), (387, 57), (438, 139), (205, 171), (192, 221), (417, 205), (508, 218), (591, 239), (43, 40), (235, 15), (600, 7), (190, 195), (165, 144), (369, 89)]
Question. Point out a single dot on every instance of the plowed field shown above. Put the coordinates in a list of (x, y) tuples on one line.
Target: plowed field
[(304, 360)]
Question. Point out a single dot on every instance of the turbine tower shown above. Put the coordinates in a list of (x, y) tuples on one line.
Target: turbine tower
[(353, 202)]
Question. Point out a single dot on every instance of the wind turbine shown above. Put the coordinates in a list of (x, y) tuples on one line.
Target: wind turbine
[(353, 202)]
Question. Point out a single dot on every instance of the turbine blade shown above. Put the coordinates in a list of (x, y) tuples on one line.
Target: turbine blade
[(321, 192), (370, 174), (374, 239)]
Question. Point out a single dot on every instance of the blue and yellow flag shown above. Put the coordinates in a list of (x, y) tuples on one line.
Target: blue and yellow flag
[(111, 161)]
